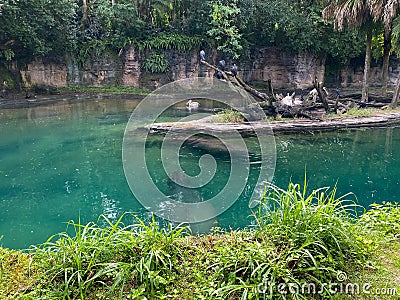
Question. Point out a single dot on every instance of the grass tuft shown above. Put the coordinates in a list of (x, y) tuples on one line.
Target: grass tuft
[(360, 112)]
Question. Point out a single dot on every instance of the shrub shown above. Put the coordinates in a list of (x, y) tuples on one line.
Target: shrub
[(382, 219), (229, 116)]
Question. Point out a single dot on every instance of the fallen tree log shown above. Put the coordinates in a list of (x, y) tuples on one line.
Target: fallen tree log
[(228, 76), (380, 99), (297, 111), (224, 75), (363, 104)]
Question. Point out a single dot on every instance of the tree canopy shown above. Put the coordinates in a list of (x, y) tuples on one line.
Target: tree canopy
[(36, 27), (33, 28)]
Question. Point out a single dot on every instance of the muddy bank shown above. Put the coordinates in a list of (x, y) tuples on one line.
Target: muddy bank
[(21, 101)]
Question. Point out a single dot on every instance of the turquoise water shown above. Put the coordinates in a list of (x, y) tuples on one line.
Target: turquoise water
[(62, 162)]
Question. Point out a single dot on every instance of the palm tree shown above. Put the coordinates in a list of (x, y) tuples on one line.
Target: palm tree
[(389, 15), (358, 13), (354, 13), (385, 11), (396, 44)]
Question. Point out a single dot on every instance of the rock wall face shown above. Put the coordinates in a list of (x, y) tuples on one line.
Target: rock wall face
[(104, 71), (182, 65), (131, 70), (99, 72), (40, 72), (353, 76), (286, 70)]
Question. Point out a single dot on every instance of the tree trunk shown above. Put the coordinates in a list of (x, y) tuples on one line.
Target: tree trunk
[(367, 67), (321, 94), (345, 74), (387, 45), (271, 89), (84, 14), (396, 94)]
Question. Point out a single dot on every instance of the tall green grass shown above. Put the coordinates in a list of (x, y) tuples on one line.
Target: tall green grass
[(113, 260), (298, 237)]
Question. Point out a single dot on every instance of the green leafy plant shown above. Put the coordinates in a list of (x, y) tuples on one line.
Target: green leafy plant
[(180, 42), (37, 28), (156, 63), (318, 222), (91, 49), (7, 54), (109, 258), (224, 29), (383, 218)]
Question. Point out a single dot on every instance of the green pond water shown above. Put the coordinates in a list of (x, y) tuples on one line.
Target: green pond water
[(63, 162)]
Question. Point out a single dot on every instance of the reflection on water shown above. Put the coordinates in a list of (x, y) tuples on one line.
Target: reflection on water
[(62, 162)]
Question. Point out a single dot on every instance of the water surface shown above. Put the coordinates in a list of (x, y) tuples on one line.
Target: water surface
[(62, 162)]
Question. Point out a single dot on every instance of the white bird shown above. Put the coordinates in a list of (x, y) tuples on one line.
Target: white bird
[(192, 104), (313, 95), (288, 100), (297, 101), (202, 55), (313, 92)]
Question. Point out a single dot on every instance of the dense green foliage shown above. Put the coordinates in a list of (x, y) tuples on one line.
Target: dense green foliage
[(156, 62), (298, 238), (35, 28), (31, 28), (223, 27)]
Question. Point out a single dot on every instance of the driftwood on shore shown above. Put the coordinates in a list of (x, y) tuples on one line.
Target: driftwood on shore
[(285, 106), (316, 102)]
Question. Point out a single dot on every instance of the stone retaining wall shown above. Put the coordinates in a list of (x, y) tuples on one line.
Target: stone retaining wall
[(286, 70)]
